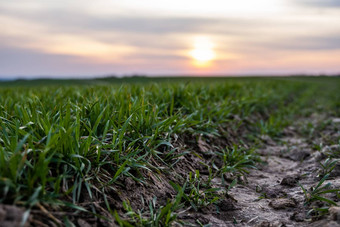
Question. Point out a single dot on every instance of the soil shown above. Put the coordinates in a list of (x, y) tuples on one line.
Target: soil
[(11, 215), (269, 195)]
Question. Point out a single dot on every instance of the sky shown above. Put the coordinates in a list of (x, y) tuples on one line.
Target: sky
[(86, 38)]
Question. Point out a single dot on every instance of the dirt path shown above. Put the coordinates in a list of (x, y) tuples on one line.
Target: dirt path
[(272, 195)]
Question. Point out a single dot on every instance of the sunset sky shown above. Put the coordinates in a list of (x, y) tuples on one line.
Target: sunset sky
[(80, 38)]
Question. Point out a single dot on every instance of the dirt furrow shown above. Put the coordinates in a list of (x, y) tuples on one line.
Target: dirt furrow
[(271, 195)]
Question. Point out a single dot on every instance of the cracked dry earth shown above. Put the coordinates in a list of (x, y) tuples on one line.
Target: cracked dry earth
[(271, 196)]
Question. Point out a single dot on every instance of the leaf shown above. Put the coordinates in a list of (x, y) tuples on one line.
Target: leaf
[(73, 206), (233, 183), (303, 189), (321, 181), (120, 221), (325, 200)]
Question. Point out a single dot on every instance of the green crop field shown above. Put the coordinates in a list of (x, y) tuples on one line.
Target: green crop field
[(146, 152)]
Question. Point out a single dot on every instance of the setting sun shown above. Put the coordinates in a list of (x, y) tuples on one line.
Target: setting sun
[(203, 51)]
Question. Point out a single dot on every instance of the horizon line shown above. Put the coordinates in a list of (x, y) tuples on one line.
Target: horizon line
[(113, 76)]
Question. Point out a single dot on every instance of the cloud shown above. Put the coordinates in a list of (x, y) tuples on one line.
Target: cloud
[(318, 43), (320, 3), (68, 21), (306, 43), (21, 61), (47, 39)]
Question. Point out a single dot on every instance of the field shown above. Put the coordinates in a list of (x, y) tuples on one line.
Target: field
[(170, 152)]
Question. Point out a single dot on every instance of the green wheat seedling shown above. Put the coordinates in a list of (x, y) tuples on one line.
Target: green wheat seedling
[(236, 160), (327, 166), (317, 193), (317, 212), (155, 215), (198, 193), (335, 153)]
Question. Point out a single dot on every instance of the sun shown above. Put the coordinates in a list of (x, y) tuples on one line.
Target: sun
[(203, 52), (203, 55)]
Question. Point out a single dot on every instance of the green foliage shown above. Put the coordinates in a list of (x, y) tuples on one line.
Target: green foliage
[(198, 193), (237, 160), (317, 192), (334, 153), (328, 166), (155, 215), (63, 140)]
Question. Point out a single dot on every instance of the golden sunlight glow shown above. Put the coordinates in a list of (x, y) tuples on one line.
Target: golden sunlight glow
[(39, 38), (203, 51), (84, 47)]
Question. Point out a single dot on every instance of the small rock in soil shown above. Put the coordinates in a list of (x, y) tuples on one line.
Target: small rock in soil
[(83, 223), (290, 181), (268, 140), (336, 120), (319, 156), (11, 215), (325, 223), (2, 214), (330, 149), (203, 220), (282, 203), (297, 154), (270, 224), (203, 146), (289, 131), (229, 176), (298, 216), (208, 209), (129, 183), (336, 171), (272, 191), (334, 213), (264, 224), (227, 205)]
